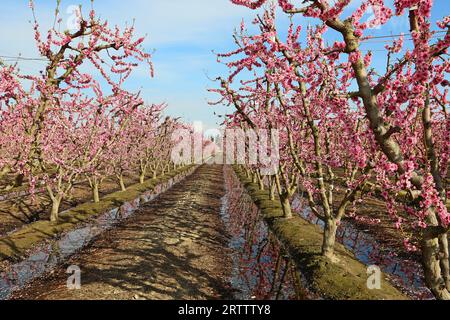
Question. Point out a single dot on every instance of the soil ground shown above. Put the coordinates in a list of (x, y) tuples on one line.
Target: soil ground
[(22, 210), (173, 248)]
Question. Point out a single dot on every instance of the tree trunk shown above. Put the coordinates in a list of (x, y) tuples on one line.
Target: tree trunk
[(154, 174), (247, 172), (122, 184), (95, 192), (260, 181), (430, 242), (54, 214), (431, 260), (272, 188), (286, 205), (329, 238), (142, 178), (445, 265)]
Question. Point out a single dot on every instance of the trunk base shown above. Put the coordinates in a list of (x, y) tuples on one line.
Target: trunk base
[(54, 213), (432, 267), (95, 194), (286, 205), (329, 240)]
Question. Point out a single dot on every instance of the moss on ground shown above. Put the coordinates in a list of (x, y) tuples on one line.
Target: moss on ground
[(15, 246), (342, 280)]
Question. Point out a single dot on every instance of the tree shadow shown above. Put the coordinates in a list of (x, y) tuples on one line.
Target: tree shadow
[(173, 248)]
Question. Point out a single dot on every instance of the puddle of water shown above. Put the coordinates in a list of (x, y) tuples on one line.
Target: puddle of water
[(261, 269), (407, 275), (47, 256)]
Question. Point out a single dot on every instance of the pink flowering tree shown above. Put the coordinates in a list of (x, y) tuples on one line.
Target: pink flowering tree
[(14, 145), (122, 156), (110, 51), (166, 143), (144, 146), (102, 128), (150, 140), (63, 131), (136, 149), (320, 132), (405, 109), (76, 136)]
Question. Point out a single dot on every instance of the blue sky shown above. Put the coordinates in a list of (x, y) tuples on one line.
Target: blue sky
[(183, 33)]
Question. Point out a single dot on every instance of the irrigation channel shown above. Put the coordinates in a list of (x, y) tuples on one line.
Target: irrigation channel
[(203, 238)]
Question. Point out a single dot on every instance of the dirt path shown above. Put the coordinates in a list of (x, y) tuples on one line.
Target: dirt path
[(175, 248)]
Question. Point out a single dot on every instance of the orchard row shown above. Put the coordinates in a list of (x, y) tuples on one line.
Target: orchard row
[(75, 121), (348, 129)]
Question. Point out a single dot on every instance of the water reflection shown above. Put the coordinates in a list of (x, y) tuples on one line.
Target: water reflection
[(405, 274), (47, 256), (262, 270)]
